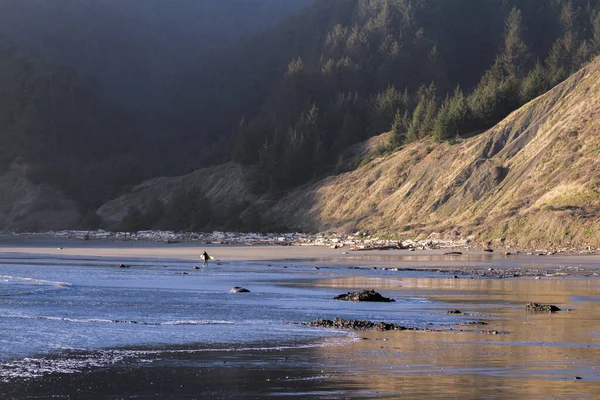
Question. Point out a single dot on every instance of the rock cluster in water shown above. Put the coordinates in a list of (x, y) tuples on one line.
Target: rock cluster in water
[(339, 323), (238, 289), (363, 295), (535, 307)]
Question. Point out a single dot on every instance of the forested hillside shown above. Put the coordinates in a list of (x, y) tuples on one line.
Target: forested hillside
[(135, 49), (343, 71), (63, 129), (283, 87), (87, 86)]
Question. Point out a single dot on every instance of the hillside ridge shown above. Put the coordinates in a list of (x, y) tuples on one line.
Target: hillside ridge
[(533, 178)]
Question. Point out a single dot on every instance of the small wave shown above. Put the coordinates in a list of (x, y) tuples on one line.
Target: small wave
[(116, 321), (8, 278), (332, 342), (197, 322), (17, 285)]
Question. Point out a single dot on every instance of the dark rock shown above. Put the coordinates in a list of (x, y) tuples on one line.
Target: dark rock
[(238, 289), (363, 295), (535, 307), (339, 323), (454, 312)]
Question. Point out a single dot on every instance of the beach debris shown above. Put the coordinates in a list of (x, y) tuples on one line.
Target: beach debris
[(363, 295), (357, 241), (536, 307), (238, 289), (453, 312), (490, 332), (339, 323)]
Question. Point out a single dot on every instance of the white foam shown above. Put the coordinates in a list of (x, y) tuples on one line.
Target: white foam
[(33, 367), (116, 321), (196, 322)]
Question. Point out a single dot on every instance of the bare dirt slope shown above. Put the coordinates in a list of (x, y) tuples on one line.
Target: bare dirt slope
[(25, 206), (533, 179), (222, 185)]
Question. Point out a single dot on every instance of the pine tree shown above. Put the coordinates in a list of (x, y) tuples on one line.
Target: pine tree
[(398, 131), (595, 41), (534, 84), (516, 53), (441, 129)]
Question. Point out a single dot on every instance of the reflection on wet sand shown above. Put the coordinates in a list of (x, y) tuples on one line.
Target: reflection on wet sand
[(541, 355), (534, 356)]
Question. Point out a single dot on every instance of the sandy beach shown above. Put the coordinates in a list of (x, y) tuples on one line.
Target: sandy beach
[(493, 349)]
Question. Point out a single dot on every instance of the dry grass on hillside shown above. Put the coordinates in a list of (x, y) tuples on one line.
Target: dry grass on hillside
[(534, 179)]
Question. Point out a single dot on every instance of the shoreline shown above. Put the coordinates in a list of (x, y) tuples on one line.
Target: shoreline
[(555, 352), (470, 263), (360, 241)]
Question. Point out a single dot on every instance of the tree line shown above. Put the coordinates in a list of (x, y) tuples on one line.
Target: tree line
[(419, 68), (289, 100)]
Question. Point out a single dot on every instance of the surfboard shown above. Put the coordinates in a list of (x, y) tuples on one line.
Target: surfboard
[(209, 257)]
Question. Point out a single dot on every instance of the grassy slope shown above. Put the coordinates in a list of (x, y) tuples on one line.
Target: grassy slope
[(534, 179)]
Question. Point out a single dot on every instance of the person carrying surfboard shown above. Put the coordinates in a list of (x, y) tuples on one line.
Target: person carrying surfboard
[(205, 257)]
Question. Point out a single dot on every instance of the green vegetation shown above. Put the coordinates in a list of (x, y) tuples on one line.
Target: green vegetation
[(288, 99), (415, 68), (63, 129)]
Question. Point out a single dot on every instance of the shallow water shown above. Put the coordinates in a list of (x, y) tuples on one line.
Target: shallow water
[(74, 325), (49, 306)]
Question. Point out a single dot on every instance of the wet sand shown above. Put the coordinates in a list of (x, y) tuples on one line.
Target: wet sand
[(537, 356), (468, 263)]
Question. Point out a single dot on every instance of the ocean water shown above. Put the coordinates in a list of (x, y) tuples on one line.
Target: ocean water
[(65, 314)]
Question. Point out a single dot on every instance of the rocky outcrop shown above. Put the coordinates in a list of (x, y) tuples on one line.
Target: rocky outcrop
[(238, 289), (26, 206), (223, 186), (339, 323), (363, 295), (535, 307)]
